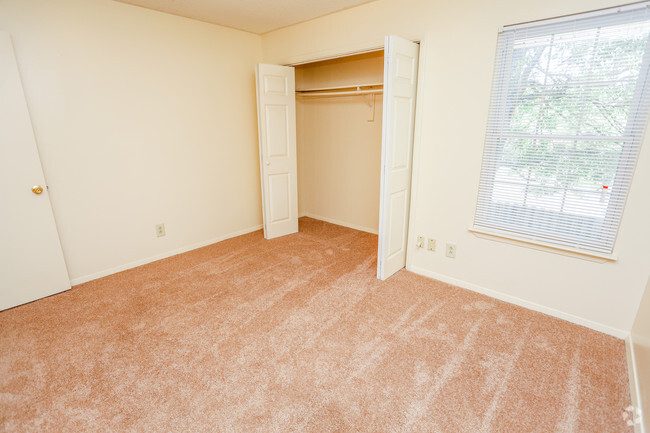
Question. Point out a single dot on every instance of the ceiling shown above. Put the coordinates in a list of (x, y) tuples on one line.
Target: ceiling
[(256, 16)]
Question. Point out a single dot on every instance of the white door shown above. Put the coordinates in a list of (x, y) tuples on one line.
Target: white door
[(400, 87), (31, 260), (276, 125)]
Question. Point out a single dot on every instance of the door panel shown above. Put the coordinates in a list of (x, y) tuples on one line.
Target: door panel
[(276, 84), (32, 264), (400, 88), (276, 111), (397, 218), (277, 131), (402, 134), (280, 197)]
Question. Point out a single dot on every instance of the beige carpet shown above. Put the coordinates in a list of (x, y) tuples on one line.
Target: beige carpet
[(296, 335)]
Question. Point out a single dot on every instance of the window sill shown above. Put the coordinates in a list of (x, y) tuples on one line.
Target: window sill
[(543, 246)]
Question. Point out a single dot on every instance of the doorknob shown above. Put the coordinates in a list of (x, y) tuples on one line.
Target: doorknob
[(37, 189), (267, 162)]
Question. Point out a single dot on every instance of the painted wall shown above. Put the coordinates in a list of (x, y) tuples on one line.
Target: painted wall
[(140, 118), (640, 338), (339, 149), (459, 41)]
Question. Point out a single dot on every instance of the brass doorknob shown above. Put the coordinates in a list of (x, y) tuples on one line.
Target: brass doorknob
[(37, 189)]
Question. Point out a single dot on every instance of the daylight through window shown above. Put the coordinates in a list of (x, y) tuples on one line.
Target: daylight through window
[(568, 110)]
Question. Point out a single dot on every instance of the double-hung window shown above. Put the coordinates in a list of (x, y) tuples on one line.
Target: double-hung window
[(568, 110)]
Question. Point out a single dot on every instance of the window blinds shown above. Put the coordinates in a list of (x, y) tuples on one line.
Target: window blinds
[(567, 114)]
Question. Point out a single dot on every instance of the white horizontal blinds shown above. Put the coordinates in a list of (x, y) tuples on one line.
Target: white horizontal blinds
[(569, 106)]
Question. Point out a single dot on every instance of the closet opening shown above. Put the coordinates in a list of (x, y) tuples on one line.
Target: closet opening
[(336, 144), (338, 138)]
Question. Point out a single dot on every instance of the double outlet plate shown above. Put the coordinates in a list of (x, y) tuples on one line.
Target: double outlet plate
[(160, 230)]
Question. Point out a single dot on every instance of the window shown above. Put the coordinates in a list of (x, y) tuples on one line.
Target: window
[(568, 109)]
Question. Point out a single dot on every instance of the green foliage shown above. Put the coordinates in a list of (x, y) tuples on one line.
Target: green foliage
[(568, 108)]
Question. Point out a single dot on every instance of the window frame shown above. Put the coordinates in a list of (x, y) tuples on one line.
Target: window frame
[(494, 139)]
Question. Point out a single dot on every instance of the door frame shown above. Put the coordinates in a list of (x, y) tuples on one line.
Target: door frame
[(356, 49)]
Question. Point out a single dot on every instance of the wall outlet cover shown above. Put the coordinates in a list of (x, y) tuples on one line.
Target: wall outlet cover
[(450, 250), (160, 230)]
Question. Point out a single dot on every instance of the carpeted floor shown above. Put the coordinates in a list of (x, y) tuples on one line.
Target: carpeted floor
[(296, 335)]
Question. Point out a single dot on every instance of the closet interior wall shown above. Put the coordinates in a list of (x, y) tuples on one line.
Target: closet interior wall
[(339, 142)]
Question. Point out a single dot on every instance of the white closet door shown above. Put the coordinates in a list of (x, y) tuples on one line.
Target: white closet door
[(400, 88), (31, 260), (276, 124)]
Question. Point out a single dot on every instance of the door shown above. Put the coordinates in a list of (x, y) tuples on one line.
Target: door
[(31, 260), (276, 125), (400, 87)]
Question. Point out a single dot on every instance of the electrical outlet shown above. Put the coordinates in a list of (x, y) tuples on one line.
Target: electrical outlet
[(160, 230), (450, 251), (419, 242), (431, 244)]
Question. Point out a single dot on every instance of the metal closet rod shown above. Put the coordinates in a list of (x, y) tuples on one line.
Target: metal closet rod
[(350, 92), (337, 91)]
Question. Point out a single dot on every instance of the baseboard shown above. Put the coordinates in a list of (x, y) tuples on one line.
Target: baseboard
[(341, 223), (635, 388), (116, 269), (521, 302)]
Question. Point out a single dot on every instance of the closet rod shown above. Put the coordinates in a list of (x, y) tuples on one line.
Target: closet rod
[(348, 86), (344, 93)]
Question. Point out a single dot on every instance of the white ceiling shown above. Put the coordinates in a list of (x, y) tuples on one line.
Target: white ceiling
[(256, 16)]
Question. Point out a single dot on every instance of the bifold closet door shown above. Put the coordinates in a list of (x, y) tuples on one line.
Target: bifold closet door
[(400, 88), (276, 125), (31, 259)]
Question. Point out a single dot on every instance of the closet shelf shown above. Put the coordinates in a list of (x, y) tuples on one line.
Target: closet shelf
[(354, 89)]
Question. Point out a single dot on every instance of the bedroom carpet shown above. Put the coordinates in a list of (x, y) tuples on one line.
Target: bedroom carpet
[(296, 335)]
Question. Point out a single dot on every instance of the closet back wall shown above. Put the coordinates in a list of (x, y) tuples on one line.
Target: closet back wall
[(140, 118), (339, 149)]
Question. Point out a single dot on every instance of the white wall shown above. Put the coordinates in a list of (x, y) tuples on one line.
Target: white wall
[(640, 340), (140, 118), (459, 41), (339, 149)]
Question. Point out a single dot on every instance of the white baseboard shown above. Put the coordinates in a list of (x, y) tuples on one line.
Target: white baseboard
[(341, 223), (635, 389), (521, 302), (124, 267)]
